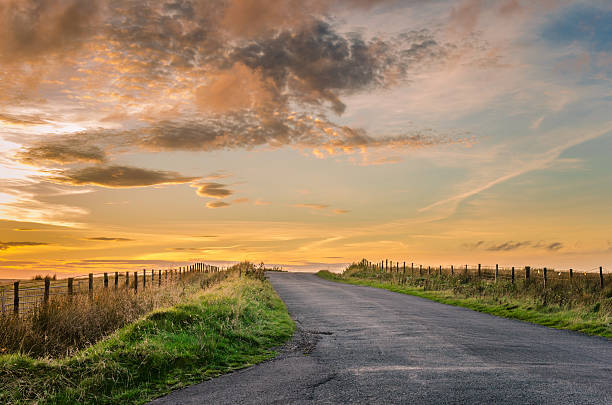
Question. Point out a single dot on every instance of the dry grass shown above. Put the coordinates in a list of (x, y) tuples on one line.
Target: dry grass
[(66, 325), (231, 325)]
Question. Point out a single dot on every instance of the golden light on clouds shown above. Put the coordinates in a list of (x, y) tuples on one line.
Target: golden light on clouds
[(305, 133)]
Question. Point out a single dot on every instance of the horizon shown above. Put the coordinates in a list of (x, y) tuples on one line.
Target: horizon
[(304, 134)]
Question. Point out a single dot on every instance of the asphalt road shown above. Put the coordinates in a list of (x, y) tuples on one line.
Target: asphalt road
[(364, 345)]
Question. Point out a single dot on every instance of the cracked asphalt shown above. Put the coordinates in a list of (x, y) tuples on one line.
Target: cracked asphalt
[(364, 345)]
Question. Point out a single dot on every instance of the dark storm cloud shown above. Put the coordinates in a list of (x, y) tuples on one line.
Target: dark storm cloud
[(120, 177)]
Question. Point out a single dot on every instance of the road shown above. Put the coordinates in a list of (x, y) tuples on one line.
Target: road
[(364, 345)]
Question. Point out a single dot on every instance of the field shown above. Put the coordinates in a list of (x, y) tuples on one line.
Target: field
[(213, 328), (577, 302)]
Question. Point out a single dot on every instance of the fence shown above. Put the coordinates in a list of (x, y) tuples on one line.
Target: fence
[(597, 275), (23, 296)]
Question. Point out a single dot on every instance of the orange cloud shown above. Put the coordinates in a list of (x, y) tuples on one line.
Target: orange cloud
[(214, 190), (234, 89), (120, 177)]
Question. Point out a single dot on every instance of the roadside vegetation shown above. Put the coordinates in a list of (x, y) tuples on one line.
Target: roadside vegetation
[(580, 306), (205, 326)]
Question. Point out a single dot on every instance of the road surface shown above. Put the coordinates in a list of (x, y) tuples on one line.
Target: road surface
[(364, 345)]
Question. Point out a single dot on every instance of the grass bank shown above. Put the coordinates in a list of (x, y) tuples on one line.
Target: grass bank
[(561, 309), (231, 325)]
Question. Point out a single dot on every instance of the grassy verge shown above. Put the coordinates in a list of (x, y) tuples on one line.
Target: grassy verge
[(590, 319), (229, 326)]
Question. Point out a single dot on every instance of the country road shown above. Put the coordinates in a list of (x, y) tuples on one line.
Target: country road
[(363, 345)]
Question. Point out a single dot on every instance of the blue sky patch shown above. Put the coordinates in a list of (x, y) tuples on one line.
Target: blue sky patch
[(584, 24)]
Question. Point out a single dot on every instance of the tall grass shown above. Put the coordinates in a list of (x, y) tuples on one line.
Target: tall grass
[(67, 324), (578, 305), (230, 325)]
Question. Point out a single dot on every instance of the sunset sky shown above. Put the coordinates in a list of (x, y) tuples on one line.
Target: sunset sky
[(304, 133)]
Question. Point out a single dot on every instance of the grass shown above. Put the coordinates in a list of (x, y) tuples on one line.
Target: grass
[(67, 324), (229, 326), (583, 308)]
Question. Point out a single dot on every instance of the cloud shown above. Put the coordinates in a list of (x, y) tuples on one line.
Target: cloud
[(262, 202), (312, 206), (214, 190), (256, 18), (7, 245), (553, 247), (217, 204), (340, 211), (107, 239), (317, 64), (29, 201), (512, 245), (235, 89), (25, 120), (120, 177), (62, 153), (31, 28), (240, 201), (507, 246), (301, 131)]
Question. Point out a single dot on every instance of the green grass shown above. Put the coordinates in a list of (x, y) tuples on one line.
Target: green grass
[(581, 319), (227, 327)]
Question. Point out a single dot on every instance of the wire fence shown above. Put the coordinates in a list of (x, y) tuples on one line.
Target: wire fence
[(21, 297), (597, 275)]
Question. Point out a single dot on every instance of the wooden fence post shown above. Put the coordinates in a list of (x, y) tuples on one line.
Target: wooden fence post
[(512, 274), (105, 280), (496, 272), (466, 270), (452, 270), (601, 278), (116, 280), (386, 264), (47, 287), (479, 270), (90, 285), (159, 279), (571, 275), (527, 271), (135, 282), (70, 289), (127, 280), (429, 270), (440, 270), (144, 278), (545, 277), (16, 297)]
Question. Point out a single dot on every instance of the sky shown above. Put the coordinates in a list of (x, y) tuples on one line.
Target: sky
[(304, 133)]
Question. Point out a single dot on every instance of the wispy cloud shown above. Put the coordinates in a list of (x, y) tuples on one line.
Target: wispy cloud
[(8, 245), (217, 204), (109, 239)]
